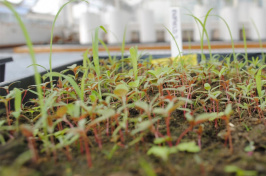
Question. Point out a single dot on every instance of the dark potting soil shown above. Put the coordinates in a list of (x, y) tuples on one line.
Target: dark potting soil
[(126, 161)]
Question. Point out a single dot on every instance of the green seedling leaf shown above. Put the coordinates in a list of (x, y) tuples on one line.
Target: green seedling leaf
[(239, 172), (134, 60), (67, 140), (110, 154), (207, 86), (121, 90), (2, 122), (156, 73), (61, 111), (250, 147), (144, 125), (188, 147), (82, 123), (142, 105), (85, 56), (228, 110), (185, 100), (161, 111), (189, 117), (134, 84), (72, 67), (17, 103), (149, 171), (259, 82), (231, 169), (103, 28), (106, 114), (50, 100), (206, 116), (162, 140), (38, 66), (93, 98), (73, 110), (162, 152), (95, 50), (71, 81)]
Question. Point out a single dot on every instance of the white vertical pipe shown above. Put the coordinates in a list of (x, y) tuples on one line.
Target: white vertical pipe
[(88, 23), (117, 21), (147, 26), (243, 7), (230, 15), (117, 4), (257, 15)]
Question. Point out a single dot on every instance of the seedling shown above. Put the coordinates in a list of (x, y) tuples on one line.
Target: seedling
[(127, 103)]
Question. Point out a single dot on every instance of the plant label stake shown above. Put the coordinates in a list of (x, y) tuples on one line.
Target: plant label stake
[(175, 28)]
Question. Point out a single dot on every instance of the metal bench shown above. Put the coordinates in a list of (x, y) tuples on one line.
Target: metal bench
[(3, 62)]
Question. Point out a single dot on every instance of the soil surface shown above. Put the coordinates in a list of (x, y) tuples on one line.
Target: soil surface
[(247, 157), (126, 161)]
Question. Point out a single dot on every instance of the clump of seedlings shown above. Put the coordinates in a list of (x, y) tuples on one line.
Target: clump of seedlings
[(167, 111)]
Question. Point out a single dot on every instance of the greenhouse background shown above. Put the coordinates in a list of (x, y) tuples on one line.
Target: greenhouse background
[(78, 19), (144, 22)]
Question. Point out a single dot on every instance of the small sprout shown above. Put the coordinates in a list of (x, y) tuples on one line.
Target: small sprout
[(144, 125), (134, 84), (121, 90), (228, 111), (207, 116), (250, 147), (91, 76), (162, 152), (188, 147), (110, 154), (147, 168), (61, 112), (189, 117), (239, 172), (207, 86), (142, 105), (162, 140)]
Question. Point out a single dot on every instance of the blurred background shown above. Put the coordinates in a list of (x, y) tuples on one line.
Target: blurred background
[(145, 22), (144, 19)]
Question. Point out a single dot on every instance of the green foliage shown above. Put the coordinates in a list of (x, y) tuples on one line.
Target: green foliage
[(188, 147), (204, 31), (259, 82), (31, 51), (110, 154), (147, 168), (52, 33), (239, 172), (162, 152), (17, 103), (134, 60), (106, 101)]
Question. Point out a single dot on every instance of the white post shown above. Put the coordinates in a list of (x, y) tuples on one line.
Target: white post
[(117, 21), (147, 26), (230, 15), (87, 24), (175, 28), (257, 20), (117, 4)]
